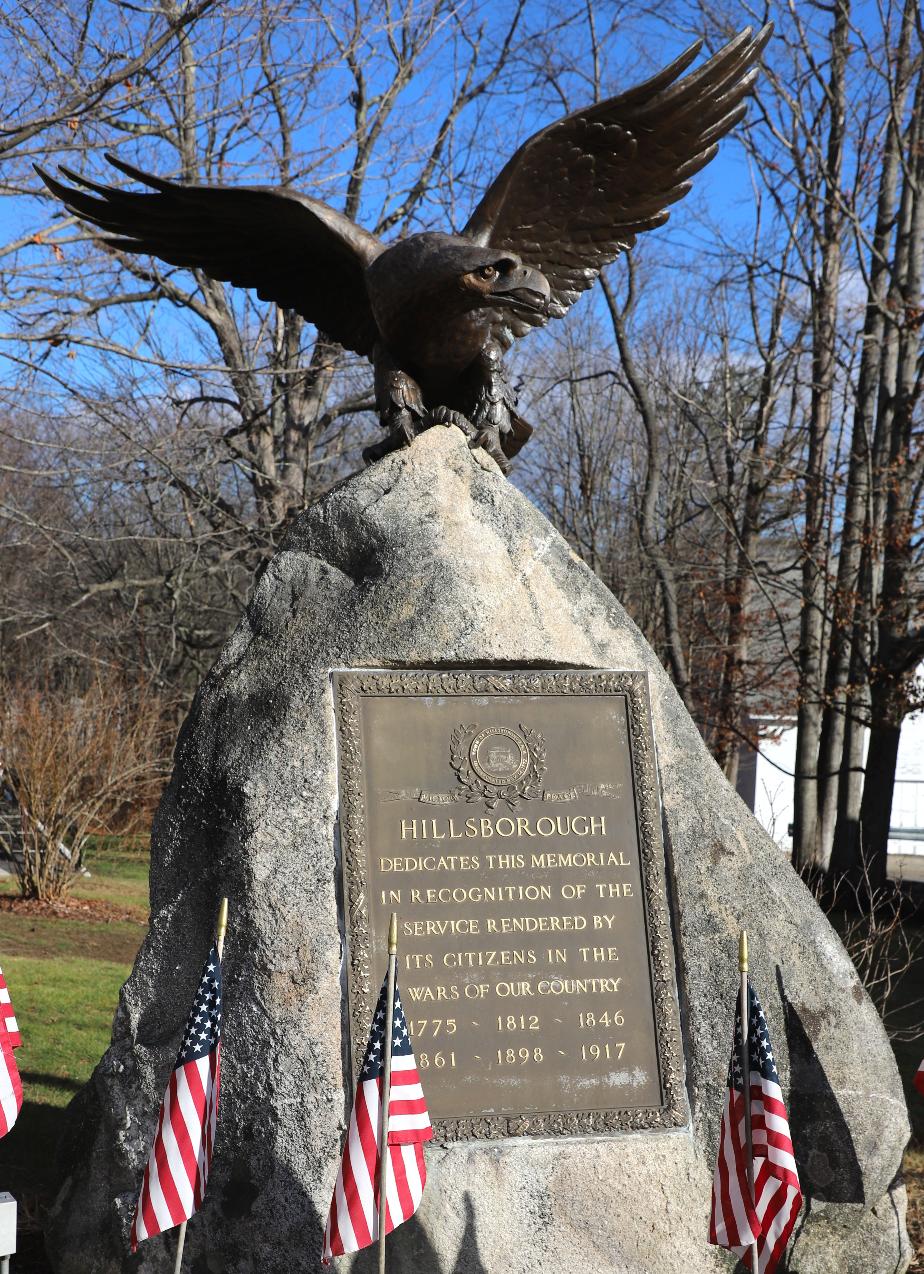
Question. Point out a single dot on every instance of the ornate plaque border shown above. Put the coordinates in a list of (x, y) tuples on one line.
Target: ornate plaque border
[(362, 986)]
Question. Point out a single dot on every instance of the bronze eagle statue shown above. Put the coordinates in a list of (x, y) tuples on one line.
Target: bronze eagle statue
[(435, 313)]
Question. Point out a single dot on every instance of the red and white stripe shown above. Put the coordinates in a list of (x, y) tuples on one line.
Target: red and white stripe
[(7, 1016), (353, 1220), (919, 1079), (10, 1083), (735, 1223), (178, 1166)]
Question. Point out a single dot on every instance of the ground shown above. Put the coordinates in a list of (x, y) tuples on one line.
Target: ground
[(64, 966), (914, 1176), (908, 1054)]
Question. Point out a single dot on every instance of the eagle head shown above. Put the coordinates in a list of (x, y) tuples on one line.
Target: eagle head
[(437, 275)]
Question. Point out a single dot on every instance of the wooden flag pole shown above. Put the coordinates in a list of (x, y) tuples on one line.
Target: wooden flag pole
[(386, 1083), (746, 1075), (221, 929)]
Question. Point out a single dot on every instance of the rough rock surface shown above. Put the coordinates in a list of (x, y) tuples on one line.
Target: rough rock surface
[(430, 557)]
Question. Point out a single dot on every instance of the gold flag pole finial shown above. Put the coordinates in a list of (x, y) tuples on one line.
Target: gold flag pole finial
[(393, 934), (222, 927), (743, 951)]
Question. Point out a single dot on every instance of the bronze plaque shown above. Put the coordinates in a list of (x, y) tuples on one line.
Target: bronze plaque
[(512, 821)]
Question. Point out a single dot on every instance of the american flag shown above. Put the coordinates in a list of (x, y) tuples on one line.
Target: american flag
[(10, 1083), (736, 1223), (919, 1079), (353, 1220), (178, 1165), (7, 1015)]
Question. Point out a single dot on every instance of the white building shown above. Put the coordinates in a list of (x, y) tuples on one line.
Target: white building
[(766, 783)]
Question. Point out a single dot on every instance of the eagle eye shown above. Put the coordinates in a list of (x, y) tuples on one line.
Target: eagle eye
[(488, 273)]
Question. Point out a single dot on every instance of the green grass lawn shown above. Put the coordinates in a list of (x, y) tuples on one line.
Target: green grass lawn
[(118, 873), (64, 976)]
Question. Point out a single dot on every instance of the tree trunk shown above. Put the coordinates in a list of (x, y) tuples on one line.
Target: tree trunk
[(900, 635), (846, 855), (888, 710), (824, 366), (746, 539)]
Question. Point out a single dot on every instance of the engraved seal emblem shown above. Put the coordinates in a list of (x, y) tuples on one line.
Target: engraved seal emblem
[(499, 756), (497, 763)]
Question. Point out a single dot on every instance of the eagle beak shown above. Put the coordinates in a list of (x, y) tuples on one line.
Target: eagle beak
[(524, 287)]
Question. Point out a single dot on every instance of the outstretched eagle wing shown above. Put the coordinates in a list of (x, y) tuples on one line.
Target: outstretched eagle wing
[(291, 249), (576, 193)]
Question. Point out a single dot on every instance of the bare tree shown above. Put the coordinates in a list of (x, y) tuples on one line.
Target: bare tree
[(819, 168), (78, 766), (898, 639), (62, 62), (679, 435), (648, 532), (834, 144), (846, 698), (219, 414)]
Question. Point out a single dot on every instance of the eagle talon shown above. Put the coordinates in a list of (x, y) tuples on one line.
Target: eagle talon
[(401, 435), (447, 416), (489, 440)]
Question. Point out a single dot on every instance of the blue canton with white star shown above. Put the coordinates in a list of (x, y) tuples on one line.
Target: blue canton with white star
[(761, 1054), (374, 1061), (203, 1026)]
